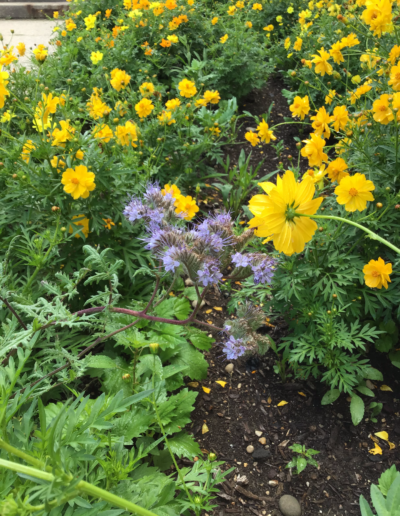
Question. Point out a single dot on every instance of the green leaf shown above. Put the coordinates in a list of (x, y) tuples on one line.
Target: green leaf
[(330, 396), (395, 358), (365, 508), (101, 362), (378, 501), (357, 409), (393, 496), (387, 478), (370, 373), (183, 445), (364, 390), (182, 308), (191, 294), (200, 339), (384, 344), (196, 364), (301, 464)]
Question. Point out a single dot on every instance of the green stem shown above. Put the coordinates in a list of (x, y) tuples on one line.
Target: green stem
[(373, 235), (82, 486)]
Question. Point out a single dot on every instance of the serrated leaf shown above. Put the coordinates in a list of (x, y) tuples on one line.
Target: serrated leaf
[(183, 445), (330, 396), (365, 508), (182, 308), (200, 339), (378, 501), (387, 478), (357, 409), (196, 363)]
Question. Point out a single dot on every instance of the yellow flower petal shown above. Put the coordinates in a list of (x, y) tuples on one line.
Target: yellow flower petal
[(206, 390), (282, 403), (204, 428), (386, 388), (221, 383), (382, 435), (392, 446), (376, 451), (193, 384), (269, 400), (218, 308), (208, 311), (302, 394)]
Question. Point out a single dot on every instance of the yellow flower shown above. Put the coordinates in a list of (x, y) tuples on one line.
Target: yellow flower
[(376, 273), (257, 7), (90, 21), (108, 223), (382, 112), (55, 14), (269, 28), (79, 154), (224, 39), (40, 53), (354, 192), (336, 53), (350, 41), (337, 170), (57, 162), (171, 191), (378, 15), (187, 88), (287, 43), (290, 10), (63, 135), (314, 150), (394, 54), (144, 108), (356, 79), (264, 132), (214, 20), (252, 138), (231, 10), (340, 117), (211, 97), (82, 221), (165, 117), (300, 107), (316, 175), (21, 49), (147, 89), (119, 79), (321, 63), (329, 98), (276, 214), (186, 206), (103, 132), (6, 117), (28, 147), (173, 38), (298, 44), (394, 81), (321, 121), (249, 25), (96, 57), (365, 88), (70, 25), (78, 182), (172, 104), (127, 134)]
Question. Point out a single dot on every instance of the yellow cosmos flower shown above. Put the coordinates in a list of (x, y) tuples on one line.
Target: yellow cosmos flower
[(186, 206), (314, 150), (336, 53), (394, 81), (300, 107), (108, 223), (80, 220), (264, 132), (211, 97), (376, 273), (224, 39), (144, 108), (276, 214), (187, 88), (298, 44), (103, 133), (90, 21), (354, 192), (119, 79), (96, 57), (40, 53), (329, 98), (252, 138), (172, 104), (340, 117), (78, 182), (269, 28), (337, 170), (382, 112), (147, 89), (378, 15), (321, 121), (321, 62), (257, 7), (172, 191), (173, 38), (316, 175), (214, 20), (127, 134), (21, 49)]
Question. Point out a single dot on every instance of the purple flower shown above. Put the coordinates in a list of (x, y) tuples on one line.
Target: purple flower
[(203, 229), (134, 210), (169, 261), (234, 348), (152, 189), (241, 260), (264, 271), (223, 218), (209, 275)]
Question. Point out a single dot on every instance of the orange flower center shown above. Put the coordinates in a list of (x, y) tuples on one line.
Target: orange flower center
[(375, 274), (397, 76), (353, 192), (382, 108), (75, 180)]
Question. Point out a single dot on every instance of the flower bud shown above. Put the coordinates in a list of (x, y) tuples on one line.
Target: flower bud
[(63, 230), (379, 205), (212, 457), (154, 347), (334, 296), (14, 176), (55, 208), (126, 376), (197, 500), (328, 312), (397, 207)]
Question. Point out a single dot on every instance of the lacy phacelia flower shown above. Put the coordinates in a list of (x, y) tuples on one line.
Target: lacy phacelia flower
[(234, 348), (376, 273), (354, 192), (300, 107), (209, 274), (314, 150), (169, 261), (78, 182), (278, 214), (260, 265)]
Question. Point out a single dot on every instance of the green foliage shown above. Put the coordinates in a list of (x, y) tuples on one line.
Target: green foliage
[(385, 497), (304, 457)]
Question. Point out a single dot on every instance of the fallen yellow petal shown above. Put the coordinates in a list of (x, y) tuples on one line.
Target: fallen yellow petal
[(238, 283), (376, 451), (221, 383), (392, 446), (385, 388), (210, 322), (281, 403), (193, 384), (204, 428), (208, 311), (269, 400), (206, 390), (302, 394), (374, 439), (383, 435), (218, 308)]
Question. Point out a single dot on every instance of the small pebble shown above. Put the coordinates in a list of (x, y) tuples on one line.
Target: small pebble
[(273, 483), (258, 433), (289, 506), (229, 368), (262, 440), (250, 449)]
